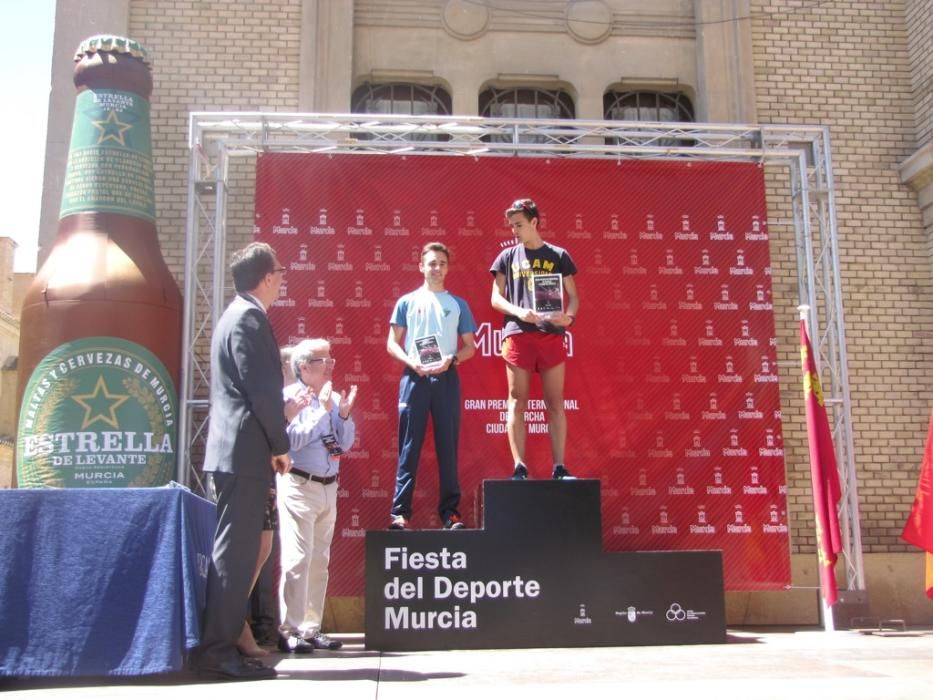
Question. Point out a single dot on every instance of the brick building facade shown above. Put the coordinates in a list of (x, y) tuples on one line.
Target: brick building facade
[(13, 286), (865, 69)]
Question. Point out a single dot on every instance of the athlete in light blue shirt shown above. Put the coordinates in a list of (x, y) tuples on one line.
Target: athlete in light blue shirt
[(427, 326)]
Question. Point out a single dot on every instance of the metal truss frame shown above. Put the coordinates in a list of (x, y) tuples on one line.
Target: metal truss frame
[(216, 138)]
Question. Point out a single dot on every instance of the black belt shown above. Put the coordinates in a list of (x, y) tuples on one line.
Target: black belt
[(319, 479)]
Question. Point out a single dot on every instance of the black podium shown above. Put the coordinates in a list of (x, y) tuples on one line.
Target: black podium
[(535, 576)]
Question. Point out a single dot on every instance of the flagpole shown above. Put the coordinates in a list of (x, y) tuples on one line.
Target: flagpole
[(826, 611)]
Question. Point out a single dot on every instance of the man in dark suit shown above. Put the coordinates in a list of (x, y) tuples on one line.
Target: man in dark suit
[(246, 445)]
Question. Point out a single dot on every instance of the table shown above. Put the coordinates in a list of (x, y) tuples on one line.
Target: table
[(100, 582)]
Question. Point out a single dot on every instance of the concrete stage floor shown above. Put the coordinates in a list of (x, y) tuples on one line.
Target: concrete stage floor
[(758, 664)]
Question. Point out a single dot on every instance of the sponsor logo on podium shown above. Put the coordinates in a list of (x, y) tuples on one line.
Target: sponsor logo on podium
[(582, 618), (676, 613)]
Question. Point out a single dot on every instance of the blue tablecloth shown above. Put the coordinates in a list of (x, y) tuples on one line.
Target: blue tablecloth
[(101, 581)]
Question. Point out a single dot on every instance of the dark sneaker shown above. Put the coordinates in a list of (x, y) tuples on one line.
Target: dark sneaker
[(293, 644), (520, 473), (322, 641), (561, 473), (454, 522), (398, 522), (238, 669)]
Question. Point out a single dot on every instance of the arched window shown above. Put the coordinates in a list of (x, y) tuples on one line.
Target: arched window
[(645, 106), (402, 98), (525, 103)]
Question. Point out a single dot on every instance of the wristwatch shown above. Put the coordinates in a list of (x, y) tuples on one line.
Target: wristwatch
[(455, 360)]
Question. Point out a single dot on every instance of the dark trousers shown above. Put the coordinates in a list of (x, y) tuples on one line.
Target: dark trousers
[(264, 600), (241, 505), (418, 397)]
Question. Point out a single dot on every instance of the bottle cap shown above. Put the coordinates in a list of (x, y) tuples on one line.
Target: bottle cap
[(113, 44)]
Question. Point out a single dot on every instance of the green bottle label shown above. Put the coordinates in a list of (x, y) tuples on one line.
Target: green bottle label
[(110, 159), (97, 412)]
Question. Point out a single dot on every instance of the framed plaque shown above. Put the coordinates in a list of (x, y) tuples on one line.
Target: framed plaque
[(429, 351), (548, 295)]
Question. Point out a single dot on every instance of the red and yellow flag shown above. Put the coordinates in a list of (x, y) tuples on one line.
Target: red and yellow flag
[(824, 474), (918, 530)]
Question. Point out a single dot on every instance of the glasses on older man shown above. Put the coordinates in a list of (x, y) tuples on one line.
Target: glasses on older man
[(328, 361)]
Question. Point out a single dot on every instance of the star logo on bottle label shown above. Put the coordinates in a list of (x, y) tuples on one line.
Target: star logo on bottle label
[(112, 128), (100, 405)]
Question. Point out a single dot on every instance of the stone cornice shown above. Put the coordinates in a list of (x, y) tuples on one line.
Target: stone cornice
[(9, 321), (917, 170)]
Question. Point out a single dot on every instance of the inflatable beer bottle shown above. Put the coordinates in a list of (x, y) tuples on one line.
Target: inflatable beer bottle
[(100, 342)]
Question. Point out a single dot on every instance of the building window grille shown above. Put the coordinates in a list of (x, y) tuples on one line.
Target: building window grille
[(647, 106), (525, 103), (402, 98)]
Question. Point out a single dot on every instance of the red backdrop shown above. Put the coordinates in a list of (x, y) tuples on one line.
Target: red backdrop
[(672, 380)]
